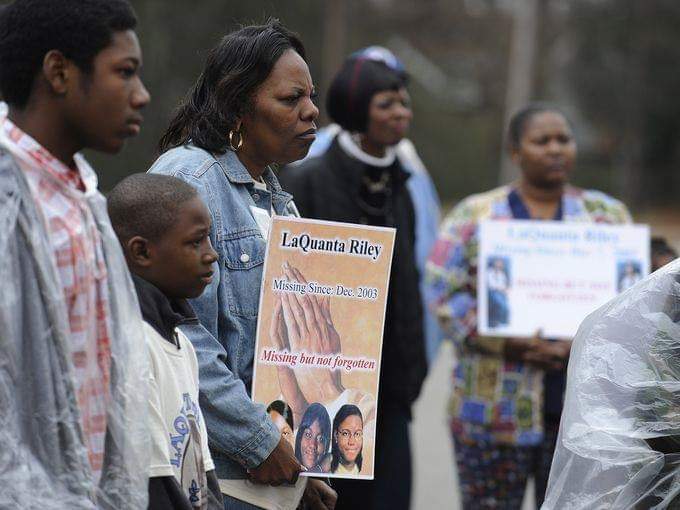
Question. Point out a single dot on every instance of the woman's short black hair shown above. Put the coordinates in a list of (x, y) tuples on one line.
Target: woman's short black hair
[(344, 412), (233, 71), (284, 410), (315, 412), (518, 122), (350, 93), (79, 29)]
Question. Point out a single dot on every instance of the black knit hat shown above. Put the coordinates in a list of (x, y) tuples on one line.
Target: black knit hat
[(350, 93)]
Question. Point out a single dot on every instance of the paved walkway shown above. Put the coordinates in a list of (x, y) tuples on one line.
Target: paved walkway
[(435, 484)]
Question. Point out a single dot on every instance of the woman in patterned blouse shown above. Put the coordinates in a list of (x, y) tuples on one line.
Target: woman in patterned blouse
[(507, 393)]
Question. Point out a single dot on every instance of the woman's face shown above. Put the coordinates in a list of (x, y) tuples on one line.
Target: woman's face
[(282, 425), (546, 151), (312, 445), (280, 127), (389, 117), (350, 438)]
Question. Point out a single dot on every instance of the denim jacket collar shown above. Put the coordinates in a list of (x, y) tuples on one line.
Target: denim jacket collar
[(237, 174), (233, 168)]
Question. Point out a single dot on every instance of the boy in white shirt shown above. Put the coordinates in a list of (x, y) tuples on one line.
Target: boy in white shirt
[(163, 227)]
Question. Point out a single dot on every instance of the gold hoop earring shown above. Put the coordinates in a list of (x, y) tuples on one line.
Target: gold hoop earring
[(232, 145)]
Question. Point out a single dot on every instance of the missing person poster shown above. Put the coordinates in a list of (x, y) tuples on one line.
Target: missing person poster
[(548, 275), (319, 339)]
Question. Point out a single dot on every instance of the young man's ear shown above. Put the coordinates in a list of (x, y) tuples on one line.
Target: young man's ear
[(138, 251), (57, 71)]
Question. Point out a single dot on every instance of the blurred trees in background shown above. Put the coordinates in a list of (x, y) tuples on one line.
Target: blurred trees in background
[(612, 65), (625, 72)]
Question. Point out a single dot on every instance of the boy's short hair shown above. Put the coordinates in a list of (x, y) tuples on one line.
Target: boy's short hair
[(147, 205), (79, 29)]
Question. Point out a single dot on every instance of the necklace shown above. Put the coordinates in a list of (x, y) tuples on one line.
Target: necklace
[(378, 186), (375, 201)]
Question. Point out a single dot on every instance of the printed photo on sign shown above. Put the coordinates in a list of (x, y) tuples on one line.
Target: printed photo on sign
[(548, 276), (319, 339), (629, 272), (497, 288)]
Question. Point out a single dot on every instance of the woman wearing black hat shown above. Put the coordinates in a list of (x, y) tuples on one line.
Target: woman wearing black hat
[(359, 179)]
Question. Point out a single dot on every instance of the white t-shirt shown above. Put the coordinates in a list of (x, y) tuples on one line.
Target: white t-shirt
[(179, 441)]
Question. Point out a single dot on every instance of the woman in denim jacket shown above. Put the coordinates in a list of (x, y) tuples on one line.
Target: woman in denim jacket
[(253, 105)]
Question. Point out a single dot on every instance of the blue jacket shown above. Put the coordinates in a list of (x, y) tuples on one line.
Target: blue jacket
[(241, 434)]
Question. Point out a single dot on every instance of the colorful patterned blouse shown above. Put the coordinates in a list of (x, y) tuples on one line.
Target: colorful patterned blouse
[(493, 400)]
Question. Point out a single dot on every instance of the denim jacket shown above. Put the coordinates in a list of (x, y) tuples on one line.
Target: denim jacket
[(241, 434)]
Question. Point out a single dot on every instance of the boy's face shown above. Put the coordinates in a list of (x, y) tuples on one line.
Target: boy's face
[(181, 261), (103, 108)]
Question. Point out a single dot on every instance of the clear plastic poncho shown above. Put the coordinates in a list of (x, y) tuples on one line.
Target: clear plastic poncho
[(619, 440), (43, 462)]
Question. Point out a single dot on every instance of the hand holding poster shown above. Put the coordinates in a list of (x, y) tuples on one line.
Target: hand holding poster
[(548, 276), (319, 339)]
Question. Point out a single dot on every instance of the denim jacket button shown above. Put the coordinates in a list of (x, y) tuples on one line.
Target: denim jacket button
[(256, 197), (245, 257)]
